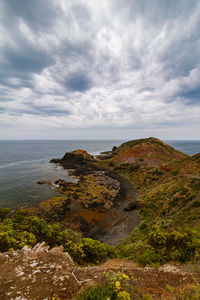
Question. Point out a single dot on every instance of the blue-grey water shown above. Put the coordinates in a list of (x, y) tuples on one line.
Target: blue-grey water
[(188, 147), (23, 163)]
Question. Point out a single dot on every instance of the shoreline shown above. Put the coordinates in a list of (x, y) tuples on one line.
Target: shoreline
[(119, 219)]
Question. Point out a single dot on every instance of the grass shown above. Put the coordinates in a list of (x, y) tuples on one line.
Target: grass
[(169, 193)]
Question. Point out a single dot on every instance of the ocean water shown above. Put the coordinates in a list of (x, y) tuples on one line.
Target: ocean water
[(188, 147), (23, 163)]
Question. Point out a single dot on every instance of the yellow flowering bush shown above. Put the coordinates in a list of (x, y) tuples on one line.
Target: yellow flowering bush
[(123, 296), (117, 286)]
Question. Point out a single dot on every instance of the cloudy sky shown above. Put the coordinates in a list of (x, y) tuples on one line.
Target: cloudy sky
[(88, 69)]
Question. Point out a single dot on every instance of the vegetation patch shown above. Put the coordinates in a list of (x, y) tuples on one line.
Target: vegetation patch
[(116, 286), (22, 229)]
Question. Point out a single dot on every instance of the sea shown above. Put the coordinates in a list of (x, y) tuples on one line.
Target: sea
[(24, 163)]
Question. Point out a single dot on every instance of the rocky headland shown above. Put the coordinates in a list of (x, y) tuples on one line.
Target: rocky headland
[(101, 205), (144, 176), (143, 197)]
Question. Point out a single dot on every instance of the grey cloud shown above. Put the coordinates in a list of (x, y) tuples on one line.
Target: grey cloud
[(81, 13), (78, 82), (155, 12), (40, 111), (30, 60), (193, 96), (48, 110), (19, 53), (40, 14), (110, 64), (16, 80)]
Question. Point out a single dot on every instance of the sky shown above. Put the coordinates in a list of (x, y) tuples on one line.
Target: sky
[(109, 69)]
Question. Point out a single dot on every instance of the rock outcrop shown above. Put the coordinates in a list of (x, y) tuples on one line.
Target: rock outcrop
[(37, 273), (94, 206), (40, 273), (96, 203), (74, 159)]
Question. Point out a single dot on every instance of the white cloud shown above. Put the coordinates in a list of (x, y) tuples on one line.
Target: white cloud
[(110, 65)]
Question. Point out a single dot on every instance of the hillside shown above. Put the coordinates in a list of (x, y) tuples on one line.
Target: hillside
[(142, 197), (167, 181), (147, 152), (168, 200)]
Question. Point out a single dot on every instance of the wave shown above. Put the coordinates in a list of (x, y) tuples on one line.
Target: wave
[(16, 163)]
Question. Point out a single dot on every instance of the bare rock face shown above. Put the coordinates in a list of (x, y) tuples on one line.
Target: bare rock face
[(104, 180), (40, 250), (78, 155), (74, 160), (84, 153)]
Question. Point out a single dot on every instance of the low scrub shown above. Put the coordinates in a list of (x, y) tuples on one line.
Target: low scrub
[(22, 229), (95, 251), (116, 286), (157, 246), (190, 292)]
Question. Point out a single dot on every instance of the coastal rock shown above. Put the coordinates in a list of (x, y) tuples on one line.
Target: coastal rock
[(54, 208), (44, 182), (114, 148), (133, 206), (78, 155), (78, 160), (97, 199)]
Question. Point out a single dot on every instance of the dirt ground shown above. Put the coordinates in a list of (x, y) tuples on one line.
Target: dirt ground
[(41, 273)]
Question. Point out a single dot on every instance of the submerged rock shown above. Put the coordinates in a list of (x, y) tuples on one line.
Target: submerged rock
[(44, 182)]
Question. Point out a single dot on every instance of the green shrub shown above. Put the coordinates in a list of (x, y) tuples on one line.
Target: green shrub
[(97, 293), (51, 235), (190, 292), (161, 245), (37, 226), (76, 251), (11, 240), (4, 212), (123, 296), (19, 217), (149, 257), (172, 245), (23, 230), (7, 241), (96, 251), (125, 250), (117, 286), (175, 173)]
